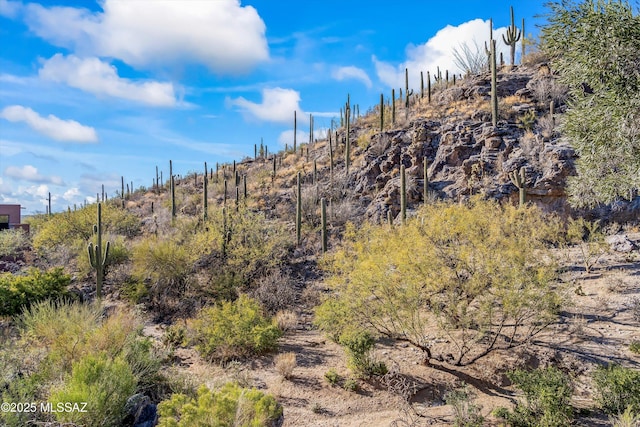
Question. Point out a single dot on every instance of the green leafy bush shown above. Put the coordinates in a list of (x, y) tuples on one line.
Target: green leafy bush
[(547, 395), (617, 388), (102, 383), (19, 291), (359, 345), (234, 329), (230, 406)]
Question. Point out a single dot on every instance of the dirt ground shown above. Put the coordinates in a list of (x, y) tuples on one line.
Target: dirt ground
[(599, 321)]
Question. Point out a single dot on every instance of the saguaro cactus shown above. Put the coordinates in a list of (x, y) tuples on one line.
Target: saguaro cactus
[(428, 87), (295, 130), (494, 85), (205, 203), (97, 258), (381, 112), (393, 106), (403, 194), (347, 152), (425, 179), (323, 220), (298, 209), (511, 37), (519, 179)]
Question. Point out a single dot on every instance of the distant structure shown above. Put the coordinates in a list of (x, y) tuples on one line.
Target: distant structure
[(10, 218)]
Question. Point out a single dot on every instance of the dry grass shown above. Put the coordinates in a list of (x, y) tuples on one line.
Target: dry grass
[(287, 320), (285, 363)]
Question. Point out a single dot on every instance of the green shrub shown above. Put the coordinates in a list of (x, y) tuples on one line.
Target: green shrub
[(61, 228), (165, 265), (547, 395), (350, 384), (13, 241), (230, 406), (102, 383), (332, 376), (617, 388), (359, 345), (473, 272), (234, 329), (466, 413), (19, 291), (634, 347)]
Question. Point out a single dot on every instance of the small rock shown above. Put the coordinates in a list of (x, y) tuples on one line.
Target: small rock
[(620, 243)]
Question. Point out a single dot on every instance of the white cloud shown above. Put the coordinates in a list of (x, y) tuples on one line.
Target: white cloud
[(30, 173), (51, 126), (351, 72), (277, 105), (10, 9), (100, 78), (72, 194), (221, 34), (438, 52)]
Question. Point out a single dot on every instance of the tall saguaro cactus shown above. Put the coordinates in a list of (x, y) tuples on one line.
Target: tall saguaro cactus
[(512, 37), (97, 257), (323, 220), (403, 194), (205, 203), (393, 106), (298, 209), (347, 151), (425, 179), (295, 130), (519, 179), (381, 112), (494, 85)]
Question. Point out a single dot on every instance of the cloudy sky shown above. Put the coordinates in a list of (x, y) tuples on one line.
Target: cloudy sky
[(115, 87)]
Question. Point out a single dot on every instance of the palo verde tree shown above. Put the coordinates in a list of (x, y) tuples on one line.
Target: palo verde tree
[(456, 281), (595, 47)]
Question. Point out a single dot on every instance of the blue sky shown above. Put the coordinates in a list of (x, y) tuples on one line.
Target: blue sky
[(115, 87)]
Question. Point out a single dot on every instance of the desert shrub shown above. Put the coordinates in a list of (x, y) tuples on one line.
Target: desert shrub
[(165, 265), (350, 384), (13, 241), (634, 347), (175, 336), (64, 227), (249, 244), (617, 388), (19, 291), (547, 395), (359, 345), (285, 363), (286, 320), (466, 273), (626, 419), (589, 238), (104, 384), (275, 292), (232, 405), (332, 376), (466, 413), (234, 329)]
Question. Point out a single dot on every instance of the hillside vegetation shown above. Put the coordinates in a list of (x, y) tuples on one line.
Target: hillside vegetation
[(464, 255)]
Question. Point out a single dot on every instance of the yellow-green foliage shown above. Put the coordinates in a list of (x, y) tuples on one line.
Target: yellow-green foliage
[(103, 384), (165, 263), (62, 228), (253, 246), (13, 241), (234, 329), (18, 291), (231, 406), (74, 353), (462, 272), (588, 237), (72, 331)]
